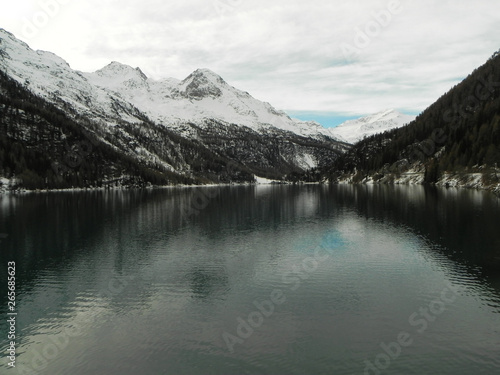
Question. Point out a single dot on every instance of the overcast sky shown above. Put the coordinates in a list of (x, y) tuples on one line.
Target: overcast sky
[(315, 59)]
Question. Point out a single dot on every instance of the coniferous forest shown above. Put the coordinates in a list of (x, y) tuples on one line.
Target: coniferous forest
[(459, 133), (44, 147)]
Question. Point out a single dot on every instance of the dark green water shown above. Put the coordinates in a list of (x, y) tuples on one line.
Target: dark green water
[(253, 280)]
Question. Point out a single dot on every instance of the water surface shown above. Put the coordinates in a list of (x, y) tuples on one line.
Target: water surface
[(254, 280)]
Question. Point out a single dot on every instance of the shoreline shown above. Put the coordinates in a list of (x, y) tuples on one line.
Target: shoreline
[(444, 183), (469, 181), (149, 187)]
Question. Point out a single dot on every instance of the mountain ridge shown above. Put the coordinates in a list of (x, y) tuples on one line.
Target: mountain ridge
[(199, 129), (208, 95), (352, 131), (453, 142)]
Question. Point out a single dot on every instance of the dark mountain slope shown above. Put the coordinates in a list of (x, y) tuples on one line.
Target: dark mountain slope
[(42, 147), (459, 133)]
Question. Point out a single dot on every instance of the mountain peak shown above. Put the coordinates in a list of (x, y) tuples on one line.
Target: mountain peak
[(116, 74), (207, 73), (355, 130), (115, 68), (118, 77), (386, 114), (141, 73), (11, 41), (3, 31), (202, 83)]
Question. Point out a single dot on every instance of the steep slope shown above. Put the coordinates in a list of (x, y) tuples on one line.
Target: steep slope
[(201, 95), (353, 131), (126, 92), (42, 147), (198, 130), (456, 141)]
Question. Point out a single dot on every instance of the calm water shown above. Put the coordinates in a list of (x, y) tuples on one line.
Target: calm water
[(254, 280)]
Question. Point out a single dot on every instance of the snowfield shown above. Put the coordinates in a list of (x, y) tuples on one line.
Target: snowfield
[(353, 131)]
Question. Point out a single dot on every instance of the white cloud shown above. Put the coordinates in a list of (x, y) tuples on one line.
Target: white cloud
[(285, 52)]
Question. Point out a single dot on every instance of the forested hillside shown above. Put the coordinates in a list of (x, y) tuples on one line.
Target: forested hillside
[(60, 127), (42, 147), (457, 135)]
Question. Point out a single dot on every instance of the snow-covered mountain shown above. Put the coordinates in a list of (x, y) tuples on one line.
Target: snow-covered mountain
[(203, 94), (121, 89), (353, 131), (169, 125)]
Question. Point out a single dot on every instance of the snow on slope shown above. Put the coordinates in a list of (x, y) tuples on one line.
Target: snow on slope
[(203, 94), (353, 131), (50, 77), (119, 92)]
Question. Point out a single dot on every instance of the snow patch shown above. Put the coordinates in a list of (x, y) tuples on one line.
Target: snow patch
[(265, 181), (121, 90), (353, 131)]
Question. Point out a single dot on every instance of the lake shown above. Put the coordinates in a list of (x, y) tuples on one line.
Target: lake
[(253, 280)]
